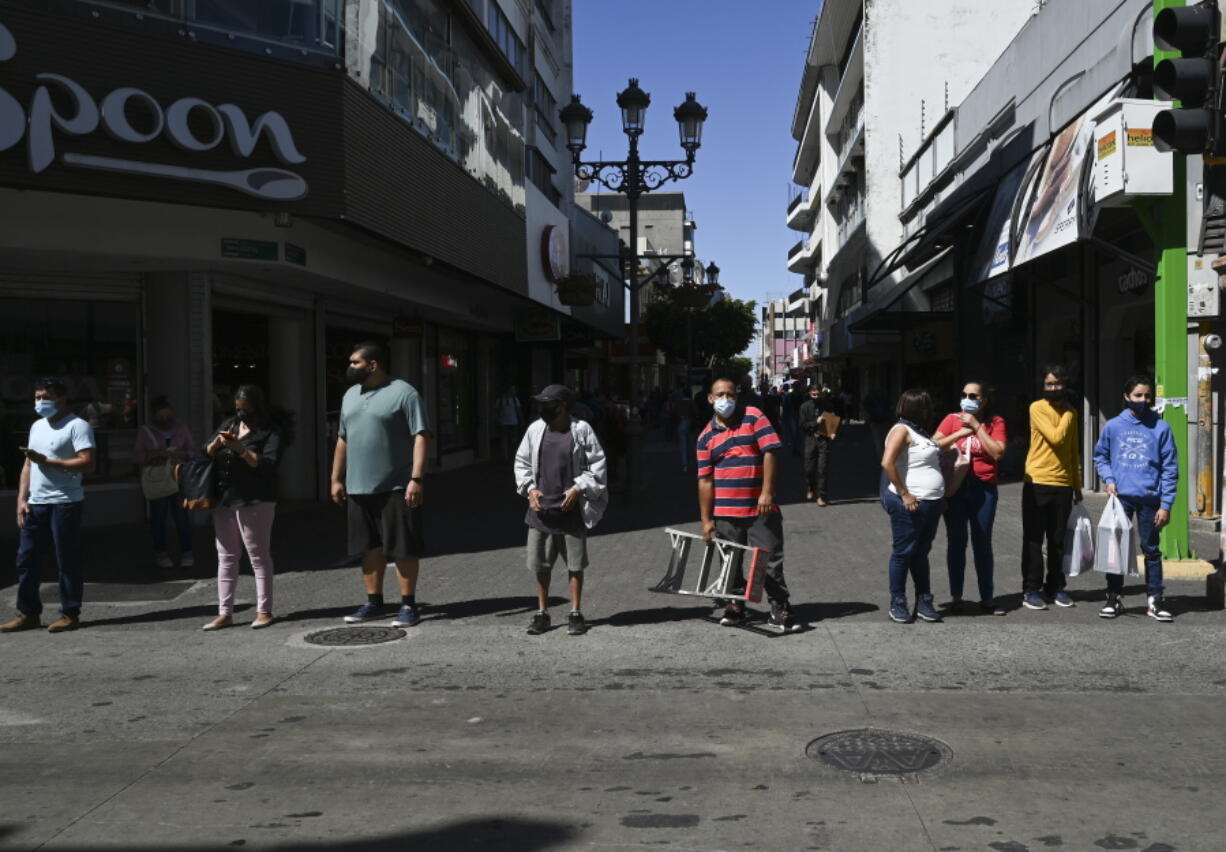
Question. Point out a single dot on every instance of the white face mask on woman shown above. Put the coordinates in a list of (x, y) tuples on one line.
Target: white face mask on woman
[(970, 406)]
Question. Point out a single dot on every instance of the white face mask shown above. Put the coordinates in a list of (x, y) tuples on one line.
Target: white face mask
[(725, 406), (970, 406)]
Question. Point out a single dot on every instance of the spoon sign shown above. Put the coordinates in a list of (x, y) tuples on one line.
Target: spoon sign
[(269, 183)]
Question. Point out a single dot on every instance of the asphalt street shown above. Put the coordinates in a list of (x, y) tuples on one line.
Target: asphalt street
[(658, 729)]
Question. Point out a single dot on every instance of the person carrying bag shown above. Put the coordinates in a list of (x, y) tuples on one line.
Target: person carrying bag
[(161, 445), (1137, 460)]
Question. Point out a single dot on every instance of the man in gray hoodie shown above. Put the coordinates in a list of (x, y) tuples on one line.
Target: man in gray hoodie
[(560, 469)]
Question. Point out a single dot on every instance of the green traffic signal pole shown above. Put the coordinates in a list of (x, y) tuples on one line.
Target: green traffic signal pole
[(1169, 230)]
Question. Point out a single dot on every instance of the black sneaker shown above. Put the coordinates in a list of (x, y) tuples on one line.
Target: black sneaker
[(782, 622), (539, 624), (1113, 608), (1157, 609), (575, 625), (734, 616)]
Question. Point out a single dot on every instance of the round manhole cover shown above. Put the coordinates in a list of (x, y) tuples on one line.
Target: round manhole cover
[(871, 751), (348, 636)]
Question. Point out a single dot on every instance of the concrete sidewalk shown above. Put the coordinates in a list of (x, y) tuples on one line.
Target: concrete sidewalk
[(657, 729)]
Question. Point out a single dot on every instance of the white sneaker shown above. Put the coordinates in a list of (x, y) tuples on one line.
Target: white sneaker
[(162, 560), (1157, 609), (187, 560)]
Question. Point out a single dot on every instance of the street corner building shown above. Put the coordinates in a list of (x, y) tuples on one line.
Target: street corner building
[(977, 213), (198, 196)]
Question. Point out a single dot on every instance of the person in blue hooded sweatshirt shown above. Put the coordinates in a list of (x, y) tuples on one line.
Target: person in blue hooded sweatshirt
[(1137, 460)]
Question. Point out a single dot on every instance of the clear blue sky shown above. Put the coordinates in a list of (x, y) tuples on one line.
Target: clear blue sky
[(744, 60)]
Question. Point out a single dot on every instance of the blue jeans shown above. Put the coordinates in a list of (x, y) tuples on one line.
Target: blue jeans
[(173, 506), (1142, 515), (58, 525), (913, 535), (973, 506)]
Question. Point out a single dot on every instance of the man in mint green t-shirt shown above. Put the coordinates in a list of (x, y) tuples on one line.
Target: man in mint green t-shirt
[(377, 469)]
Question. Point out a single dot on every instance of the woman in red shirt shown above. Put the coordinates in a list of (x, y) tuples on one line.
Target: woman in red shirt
[(979, 432)]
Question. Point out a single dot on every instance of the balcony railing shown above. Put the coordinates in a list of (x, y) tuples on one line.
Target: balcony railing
[(796, 249)]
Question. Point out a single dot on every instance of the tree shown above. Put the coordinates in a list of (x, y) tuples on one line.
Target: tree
[(720, 332), (732, 368)]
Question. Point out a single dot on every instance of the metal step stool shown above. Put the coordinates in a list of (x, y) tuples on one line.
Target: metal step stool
[(717, 570)]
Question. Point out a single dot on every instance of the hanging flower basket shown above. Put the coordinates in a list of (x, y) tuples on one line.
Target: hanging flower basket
[(577, 290)]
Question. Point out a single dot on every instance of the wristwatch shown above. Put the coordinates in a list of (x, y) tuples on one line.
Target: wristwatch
[(416, 479)]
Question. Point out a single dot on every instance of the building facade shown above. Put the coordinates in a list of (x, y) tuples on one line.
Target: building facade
[(876, 76), (293, 178)]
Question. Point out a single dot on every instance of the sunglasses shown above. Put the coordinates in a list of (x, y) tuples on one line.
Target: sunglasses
[(971, 396)]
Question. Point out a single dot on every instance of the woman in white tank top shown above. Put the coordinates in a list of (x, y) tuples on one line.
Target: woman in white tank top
[(912, 464)]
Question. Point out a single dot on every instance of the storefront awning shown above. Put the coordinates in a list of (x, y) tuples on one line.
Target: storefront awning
[(889, 314)]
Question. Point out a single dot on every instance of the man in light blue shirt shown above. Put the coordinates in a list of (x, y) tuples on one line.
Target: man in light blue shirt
[(378, 467), (50, 498)]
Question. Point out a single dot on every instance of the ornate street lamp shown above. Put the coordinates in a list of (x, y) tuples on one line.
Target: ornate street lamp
[(713, 274), (632, 177)]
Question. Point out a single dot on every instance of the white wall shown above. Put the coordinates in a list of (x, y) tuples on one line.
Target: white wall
[(912, 52)]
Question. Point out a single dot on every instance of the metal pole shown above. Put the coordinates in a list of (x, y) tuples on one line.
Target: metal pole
[(1171, 328), (1205, 496), (634, 429)]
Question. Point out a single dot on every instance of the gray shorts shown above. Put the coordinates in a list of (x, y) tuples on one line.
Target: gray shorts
[(545, 548)]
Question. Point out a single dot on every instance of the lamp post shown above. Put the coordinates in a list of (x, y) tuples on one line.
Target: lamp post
[(633, 177)]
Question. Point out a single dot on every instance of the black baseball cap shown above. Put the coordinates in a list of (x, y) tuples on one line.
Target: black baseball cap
[(555, 393)]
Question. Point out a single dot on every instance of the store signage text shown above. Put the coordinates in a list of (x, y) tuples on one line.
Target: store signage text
[(41, 124), (1132, 281)]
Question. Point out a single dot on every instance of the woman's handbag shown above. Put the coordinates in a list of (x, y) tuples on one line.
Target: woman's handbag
[(1078, 542), (197, 484), (958, 467), (157, 479)]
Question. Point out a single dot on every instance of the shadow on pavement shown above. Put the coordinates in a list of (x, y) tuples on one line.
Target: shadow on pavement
[(815, 612), (203, 611), (655, 615), (500, 607), (512, 834)]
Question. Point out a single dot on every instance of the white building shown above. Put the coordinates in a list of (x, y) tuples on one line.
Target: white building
[(878, 75)]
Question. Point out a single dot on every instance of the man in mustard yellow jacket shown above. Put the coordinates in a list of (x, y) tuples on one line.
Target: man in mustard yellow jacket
[(1052, 486)]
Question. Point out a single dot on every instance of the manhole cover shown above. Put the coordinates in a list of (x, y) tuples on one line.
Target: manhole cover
[(347, 636), (871, 751)]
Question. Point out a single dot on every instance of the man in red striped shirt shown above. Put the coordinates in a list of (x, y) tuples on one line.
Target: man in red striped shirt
[(736, 493)]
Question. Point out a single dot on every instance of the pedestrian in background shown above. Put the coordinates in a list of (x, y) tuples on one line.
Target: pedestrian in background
[(1052, 485), (820, 416), (510, 420), (683, 415), (1137, 460), (161, 440), (736, 494), (560, 468), (378, 469), (979, 436), (912, 464), (246, 450), (50, 500)]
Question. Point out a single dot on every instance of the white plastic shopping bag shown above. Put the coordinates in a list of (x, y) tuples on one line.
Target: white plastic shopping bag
[(1079, 542), (1115, 552)]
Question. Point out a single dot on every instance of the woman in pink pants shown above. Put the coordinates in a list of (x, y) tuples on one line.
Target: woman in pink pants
[(246, 450)]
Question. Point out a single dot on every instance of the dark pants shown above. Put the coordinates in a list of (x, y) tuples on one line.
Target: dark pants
[(913, 534), (973, 507), (817, 464), (765, 532), (57, 525), (158, 511), (1142, 515), (1045, 511)]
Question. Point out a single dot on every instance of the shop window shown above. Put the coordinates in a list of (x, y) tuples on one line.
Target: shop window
[(240, 357), (457, 426), (94, 347)]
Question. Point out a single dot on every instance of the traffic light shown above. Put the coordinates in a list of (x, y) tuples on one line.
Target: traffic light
[(1193, 79)]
